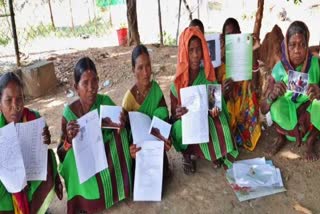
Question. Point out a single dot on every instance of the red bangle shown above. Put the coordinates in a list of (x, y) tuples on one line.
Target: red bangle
[(66, 145)]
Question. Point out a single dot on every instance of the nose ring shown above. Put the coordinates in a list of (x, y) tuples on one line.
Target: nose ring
[(18, 108)]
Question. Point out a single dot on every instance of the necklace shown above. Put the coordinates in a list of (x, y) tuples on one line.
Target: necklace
[(141, 94), (82, 111)]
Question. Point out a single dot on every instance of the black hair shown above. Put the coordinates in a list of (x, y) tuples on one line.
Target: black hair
[(197, 23), (137, 51), (83, 65), (8, 77), (195, 38), (233, 22), (300, 28)]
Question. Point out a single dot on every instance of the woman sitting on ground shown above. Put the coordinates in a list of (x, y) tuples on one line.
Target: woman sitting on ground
[(296, 116), (146, 96), (37, 195), (242, 97), (192, 49), (112, 184)]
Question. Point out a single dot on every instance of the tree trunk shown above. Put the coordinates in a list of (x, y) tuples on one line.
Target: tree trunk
[(179, 13), (133, 37), (70, 9), (160, 23), (14, 33), (51, 15), (259, 15)]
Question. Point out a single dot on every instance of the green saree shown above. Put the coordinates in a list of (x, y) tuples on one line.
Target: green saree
[(284, 110), (39, 193), (220, 145), (108, 186)]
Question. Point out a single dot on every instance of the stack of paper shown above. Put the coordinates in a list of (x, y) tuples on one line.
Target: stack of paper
[(23, 156), (195, 124), (149, 160), (254, 178)]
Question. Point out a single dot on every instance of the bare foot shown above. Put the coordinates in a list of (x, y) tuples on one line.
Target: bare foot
[(311, 155), (216, 164), (189, 166), (276, 145)]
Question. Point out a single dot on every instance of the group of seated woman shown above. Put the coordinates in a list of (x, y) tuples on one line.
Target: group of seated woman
[(295, 119)]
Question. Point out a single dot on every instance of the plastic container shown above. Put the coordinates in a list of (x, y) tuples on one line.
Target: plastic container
[(122, 36)]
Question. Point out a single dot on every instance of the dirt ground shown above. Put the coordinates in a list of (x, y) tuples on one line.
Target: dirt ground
[(207, 191)]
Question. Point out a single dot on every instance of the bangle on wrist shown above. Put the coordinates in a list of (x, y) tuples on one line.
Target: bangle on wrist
[(255, 70), (255, 67), (269, 101)]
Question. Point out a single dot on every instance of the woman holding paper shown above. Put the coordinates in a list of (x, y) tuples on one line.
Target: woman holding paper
[(37, 195), (242, 97), (146, 97), (296, 116), (111, 185), (192, 49)]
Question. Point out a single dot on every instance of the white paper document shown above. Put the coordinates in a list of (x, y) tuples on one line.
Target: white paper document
[(148, 172), (159, 128), (254, 178), (239, 56), (113, 113), (12, 171), (195, 125), (213, 41), (88, 147), (255, 175), (34, 151), (140, 125)]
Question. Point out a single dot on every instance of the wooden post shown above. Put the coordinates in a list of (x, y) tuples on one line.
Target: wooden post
[(51, 15), (70, 9), (259, 15), (179, 13), (14, 33), (160, 23), (198, 9)]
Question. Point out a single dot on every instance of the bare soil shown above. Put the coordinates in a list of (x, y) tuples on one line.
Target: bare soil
[(207, 191)]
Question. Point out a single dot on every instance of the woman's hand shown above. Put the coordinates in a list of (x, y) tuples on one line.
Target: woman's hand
[(46, 135), (156, 132), (227, 87), (107, 122), (180, 111), (72, 130), (214, 111), (167, 144), (279, 90), (123, 118), (59, 190), (313, 92), (133, 150)]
